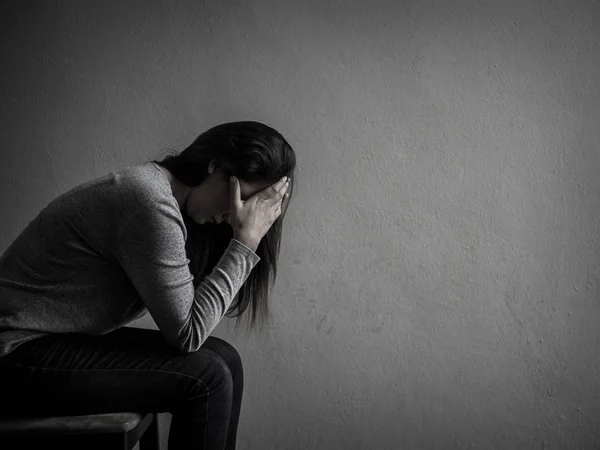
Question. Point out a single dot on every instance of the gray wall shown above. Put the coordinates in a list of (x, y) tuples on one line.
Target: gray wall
[(440, 270)]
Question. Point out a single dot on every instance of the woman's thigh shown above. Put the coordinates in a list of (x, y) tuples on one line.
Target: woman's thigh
[(126, 370)]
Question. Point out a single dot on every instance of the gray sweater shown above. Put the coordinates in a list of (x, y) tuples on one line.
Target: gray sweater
[(107, 252)]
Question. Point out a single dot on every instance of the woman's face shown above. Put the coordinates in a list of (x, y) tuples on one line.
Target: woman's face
[(209, 202)]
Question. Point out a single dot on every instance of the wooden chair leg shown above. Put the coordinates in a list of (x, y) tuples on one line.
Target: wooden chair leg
[(150, 439)]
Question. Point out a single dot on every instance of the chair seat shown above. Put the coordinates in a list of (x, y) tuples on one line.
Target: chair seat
[(92, 424)]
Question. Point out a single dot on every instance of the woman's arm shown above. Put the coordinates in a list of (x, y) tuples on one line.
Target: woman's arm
[(152, 253)]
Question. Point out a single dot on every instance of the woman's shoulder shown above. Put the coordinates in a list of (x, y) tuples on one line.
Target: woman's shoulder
[(143, 186), (151, 205), (117, 194), (145, 176)]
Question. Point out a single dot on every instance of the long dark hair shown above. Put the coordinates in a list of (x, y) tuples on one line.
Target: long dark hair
[(252, 151)]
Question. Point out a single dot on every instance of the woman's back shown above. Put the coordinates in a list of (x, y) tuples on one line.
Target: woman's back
[(63, 274)]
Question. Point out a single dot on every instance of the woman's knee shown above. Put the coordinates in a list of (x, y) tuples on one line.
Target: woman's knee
[(208, 373), (227, 351)]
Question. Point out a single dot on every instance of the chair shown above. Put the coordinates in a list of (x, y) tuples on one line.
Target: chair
[(98, 431)]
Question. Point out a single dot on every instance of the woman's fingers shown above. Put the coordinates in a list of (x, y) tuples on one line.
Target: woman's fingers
[(234, 192), (275, 188), (278, 190), (273, 193)]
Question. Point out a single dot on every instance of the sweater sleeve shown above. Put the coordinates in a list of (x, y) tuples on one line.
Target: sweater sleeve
[(152, 253)]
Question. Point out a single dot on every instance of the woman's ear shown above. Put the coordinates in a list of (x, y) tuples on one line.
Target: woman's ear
[(212, 166)]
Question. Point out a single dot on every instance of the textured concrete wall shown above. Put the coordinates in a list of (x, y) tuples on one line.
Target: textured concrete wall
[(440, 270)]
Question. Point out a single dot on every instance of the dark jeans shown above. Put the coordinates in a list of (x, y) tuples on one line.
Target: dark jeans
[(129, 369)]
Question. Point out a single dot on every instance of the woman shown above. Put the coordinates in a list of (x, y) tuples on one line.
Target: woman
[(175, 238)]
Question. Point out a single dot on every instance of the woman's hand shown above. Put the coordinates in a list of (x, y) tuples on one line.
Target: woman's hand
[(252, 219)]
